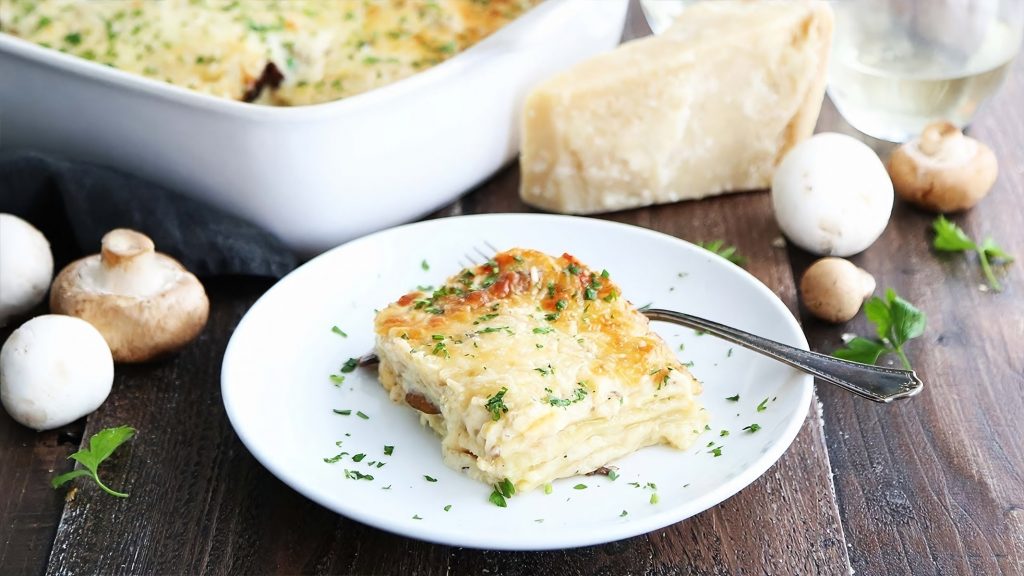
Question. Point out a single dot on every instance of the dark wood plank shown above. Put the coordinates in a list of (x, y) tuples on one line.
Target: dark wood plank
[(935, 485)]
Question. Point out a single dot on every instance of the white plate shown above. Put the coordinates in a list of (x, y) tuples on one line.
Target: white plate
[(279, 398)]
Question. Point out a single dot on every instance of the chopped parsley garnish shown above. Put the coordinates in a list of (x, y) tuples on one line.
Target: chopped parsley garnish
[(763, 405), (389, 450), (502, 490), (429, 478), (485, 318), (358, 457), (716, 451), (624, 513), (496, 404), (339, 331), (493, 329), (363, 416), (75, 38), (441, 349), (350, 365), (425, 265), (654, 498), (573, 269), (707, 427), (551, 316), (580, 487), (579, 394), (735, 398), (506, 487), (335, 458), (543, 330), (752, 428), (357, 475), (546, 371), (498, 500), (417, 517), (723, 433), (447, 507), (551, 289), (561, 304), (613, 475), (101, 446), (548, 488), (337, 379), (437, 337), (604, 274), (611, 296), (343, 412)]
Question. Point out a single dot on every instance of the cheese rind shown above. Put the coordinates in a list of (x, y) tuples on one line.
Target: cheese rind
[(708, 107)]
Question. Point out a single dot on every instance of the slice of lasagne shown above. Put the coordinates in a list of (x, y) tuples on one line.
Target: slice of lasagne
[(533, 368)]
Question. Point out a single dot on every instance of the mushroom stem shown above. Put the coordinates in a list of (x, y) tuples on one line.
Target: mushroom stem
[(121, 246), (129, 266)]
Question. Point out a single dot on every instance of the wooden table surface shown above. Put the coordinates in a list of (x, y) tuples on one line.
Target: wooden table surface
[(933, 485)]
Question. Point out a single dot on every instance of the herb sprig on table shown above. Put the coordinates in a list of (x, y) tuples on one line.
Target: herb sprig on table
[(101, 446), (896, 322), (951, 238)]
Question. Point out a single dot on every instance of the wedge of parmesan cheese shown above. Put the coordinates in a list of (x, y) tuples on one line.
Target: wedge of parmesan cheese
[(710, 106)]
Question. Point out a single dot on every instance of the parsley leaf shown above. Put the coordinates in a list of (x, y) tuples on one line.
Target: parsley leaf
[(896, 322), (861, 350), (496, 404), (728, 252), (951, 238), (101, 446), (752, 428)]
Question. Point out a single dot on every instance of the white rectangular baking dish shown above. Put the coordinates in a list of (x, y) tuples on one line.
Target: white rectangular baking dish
[(315, 175)]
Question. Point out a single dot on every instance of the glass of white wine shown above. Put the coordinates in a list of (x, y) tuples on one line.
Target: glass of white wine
[(899, 64)]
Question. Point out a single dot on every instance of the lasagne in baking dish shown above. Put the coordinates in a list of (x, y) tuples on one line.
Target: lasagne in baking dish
[(533, 368), (280, 52)]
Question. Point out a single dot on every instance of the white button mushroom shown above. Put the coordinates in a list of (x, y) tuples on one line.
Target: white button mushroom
[(26, 267), (144, 303), (54, 370), (832, 195)]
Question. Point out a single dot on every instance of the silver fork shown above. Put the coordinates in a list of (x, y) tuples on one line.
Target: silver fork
[(876, 383)]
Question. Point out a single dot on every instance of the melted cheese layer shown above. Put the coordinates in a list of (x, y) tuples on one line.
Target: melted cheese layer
[(533, 368)]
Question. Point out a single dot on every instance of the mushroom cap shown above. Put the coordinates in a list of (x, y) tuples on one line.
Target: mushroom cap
[(943, 170), (831, 195), (26, 267), (834, 289), (54, 370), (144, 303)]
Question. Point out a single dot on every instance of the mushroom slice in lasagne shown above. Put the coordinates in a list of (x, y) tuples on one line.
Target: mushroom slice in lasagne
[(533, 368)]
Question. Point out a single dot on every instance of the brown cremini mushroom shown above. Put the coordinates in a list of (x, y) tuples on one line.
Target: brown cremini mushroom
[(943, 170), (145, 303), (834, 289)]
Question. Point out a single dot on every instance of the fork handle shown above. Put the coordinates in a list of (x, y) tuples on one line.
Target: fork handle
[(876, 383)]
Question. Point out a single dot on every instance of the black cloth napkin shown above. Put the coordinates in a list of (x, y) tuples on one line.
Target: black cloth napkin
[(74, 204)]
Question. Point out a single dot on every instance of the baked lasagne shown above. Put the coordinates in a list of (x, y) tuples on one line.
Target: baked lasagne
[(279, 52), (533, 368)]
